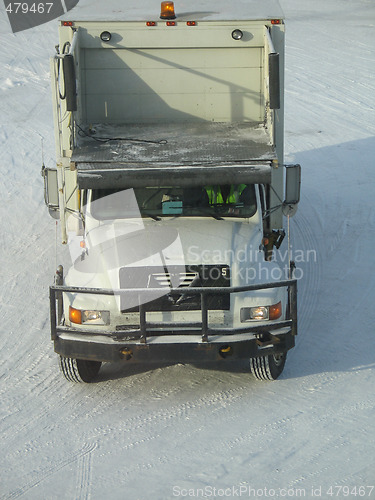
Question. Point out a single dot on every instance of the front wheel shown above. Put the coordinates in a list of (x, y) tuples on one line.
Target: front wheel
[(79, 370), (268, 367)]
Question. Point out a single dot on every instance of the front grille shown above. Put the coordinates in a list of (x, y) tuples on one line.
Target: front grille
[(168, 280), (175, 278)]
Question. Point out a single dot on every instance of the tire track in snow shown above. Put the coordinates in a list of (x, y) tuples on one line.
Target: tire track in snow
[(125, 432), (317, 463), (41, 475), (84, 476), (167, 416), (65, 401), (307, 241), (342, 443), (265, 433)]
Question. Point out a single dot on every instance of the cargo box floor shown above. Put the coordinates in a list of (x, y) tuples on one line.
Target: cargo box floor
[(105, 146)]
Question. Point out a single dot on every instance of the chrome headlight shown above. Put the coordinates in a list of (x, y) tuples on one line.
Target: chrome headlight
[(261, 313)]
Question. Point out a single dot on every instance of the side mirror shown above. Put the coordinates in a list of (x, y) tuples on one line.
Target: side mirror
[(292, 189), (51, 192)]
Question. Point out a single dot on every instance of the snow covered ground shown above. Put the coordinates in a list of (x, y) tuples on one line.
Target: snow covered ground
[(179, 431)]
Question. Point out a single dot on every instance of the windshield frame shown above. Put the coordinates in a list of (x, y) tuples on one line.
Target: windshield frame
[(171, 201)]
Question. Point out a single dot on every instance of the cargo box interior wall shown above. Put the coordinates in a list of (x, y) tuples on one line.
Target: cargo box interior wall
[(192, 74)]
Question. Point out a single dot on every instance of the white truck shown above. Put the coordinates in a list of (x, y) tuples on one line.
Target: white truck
[(169, 188)]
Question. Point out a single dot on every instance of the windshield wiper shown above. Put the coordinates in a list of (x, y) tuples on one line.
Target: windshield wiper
[(213, 214), (201, 211), (155, 217)]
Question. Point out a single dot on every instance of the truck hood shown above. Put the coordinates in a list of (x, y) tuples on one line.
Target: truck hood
[(164, 244), (135, 253)]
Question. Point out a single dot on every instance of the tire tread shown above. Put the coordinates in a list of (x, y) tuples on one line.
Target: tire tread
[(79, 370), (265, 368)]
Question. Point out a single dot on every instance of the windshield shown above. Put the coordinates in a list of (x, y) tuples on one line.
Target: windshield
[(216, 201)]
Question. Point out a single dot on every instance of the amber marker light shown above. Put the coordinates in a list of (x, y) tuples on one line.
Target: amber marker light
[(75, 315), (167, 10), (275, 311)]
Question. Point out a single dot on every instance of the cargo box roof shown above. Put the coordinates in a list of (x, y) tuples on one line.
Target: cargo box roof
[(210, 10)]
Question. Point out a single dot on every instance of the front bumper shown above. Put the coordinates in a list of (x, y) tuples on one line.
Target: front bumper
[(71, 345), (174, 342)]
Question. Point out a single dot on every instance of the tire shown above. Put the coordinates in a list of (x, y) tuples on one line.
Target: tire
[(268, 367), (79, 370)]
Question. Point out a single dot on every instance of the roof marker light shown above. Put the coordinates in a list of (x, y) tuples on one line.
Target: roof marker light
[(167, 10), (105, 36), (191, 23), (237, 34), (151, 23), (170, 23), (67, 23), (275, 21)]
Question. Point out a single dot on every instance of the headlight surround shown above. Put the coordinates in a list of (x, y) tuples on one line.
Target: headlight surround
[(261, 313), (88, 317)]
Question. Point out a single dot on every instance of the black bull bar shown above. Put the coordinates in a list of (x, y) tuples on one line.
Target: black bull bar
[(149, 328)]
